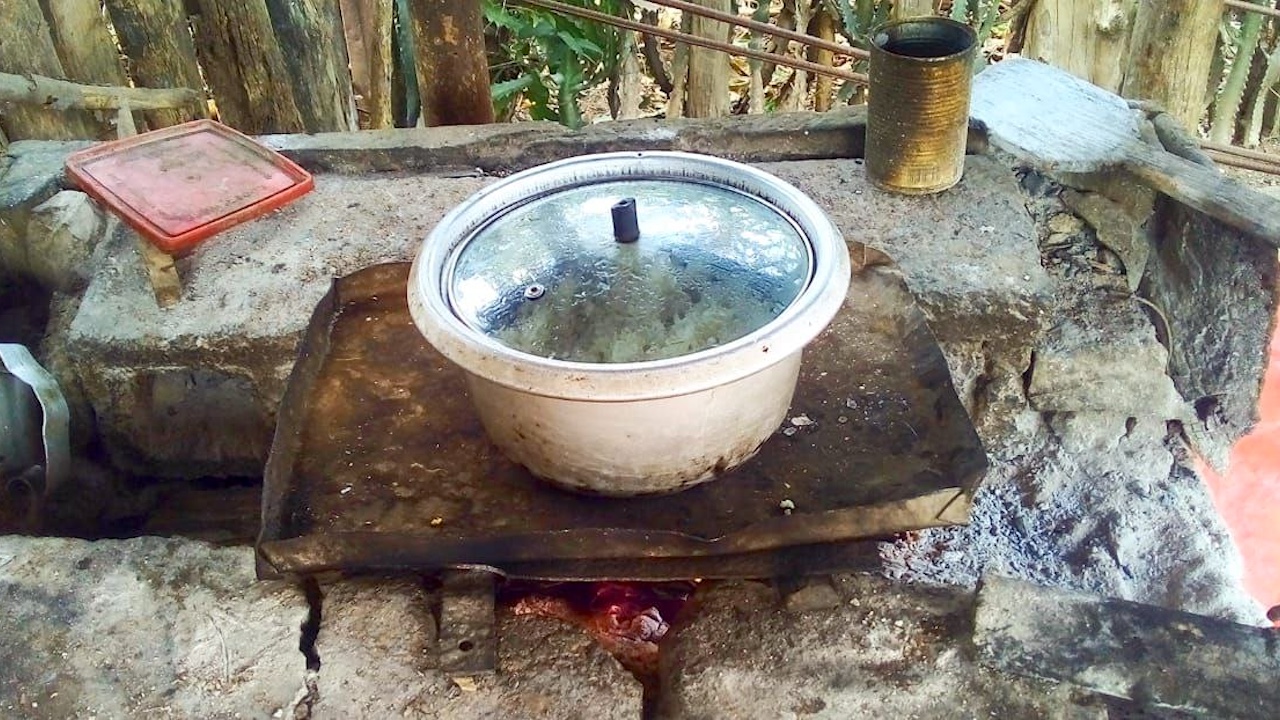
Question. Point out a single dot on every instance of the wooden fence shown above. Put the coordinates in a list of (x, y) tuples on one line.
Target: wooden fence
[(267, 66)]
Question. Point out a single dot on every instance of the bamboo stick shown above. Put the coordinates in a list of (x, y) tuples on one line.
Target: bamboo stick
[(695, 40)]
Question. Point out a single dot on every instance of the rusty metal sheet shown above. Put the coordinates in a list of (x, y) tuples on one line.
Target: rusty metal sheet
[(380, 464)]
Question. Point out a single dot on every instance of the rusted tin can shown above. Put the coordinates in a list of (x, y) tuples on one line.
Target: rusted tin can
[(918, 117)]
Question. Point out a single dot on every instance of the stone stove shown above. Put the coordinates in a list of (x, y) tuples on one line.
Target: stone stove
[(1066, 376)]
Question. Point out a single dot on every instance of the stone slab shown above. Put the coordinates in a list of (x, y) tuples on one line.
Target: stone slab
[(885, 651), (377, 650), (1157, 657), (192, 390), (144, 627), (970, 254), (1217, 287), (507, 147), (1102, 355), (1101, 504), (33, 171)]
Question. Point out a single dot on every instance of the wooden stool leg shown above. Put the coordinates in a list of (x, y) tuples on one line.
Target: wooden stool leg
[(162, 273)]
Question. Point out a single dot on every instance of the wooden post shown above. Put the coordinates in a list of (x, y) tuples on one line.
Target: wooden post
[(85, 48), (161, 270), (912, 8), (1170, 55), (1157, 51), (453, 73), (825, 28), (1087, 38), (155, 38), (368, 25), (244, 66), (26, 46), (708, 85), (315, 54), (624, 86), (796, 93)]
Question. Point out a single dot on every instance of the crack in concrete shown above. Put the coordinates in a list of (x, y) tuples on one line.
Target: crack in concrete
[(310, 628)]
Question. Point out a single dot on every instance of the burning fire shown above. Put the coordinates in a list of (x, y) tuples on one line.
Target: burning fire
[(627, 619)]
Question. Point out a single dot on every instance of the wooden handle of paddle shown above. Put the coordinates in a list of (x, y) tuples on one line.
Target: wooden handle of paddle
[(1209, 192)]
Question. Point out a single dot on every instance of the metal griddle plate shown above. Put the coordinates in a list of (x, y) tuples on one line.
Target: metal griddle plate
[(376, 439)]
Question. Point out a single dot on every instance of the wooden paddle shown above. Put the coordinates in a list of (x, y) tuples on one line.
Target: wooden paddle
[(1062, 123)]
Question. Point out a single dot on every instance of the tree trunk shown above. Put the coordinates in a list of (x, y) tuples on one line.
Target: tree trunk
[(679, 73), (368, 26), (1156, 50), (155, 38), (708, 84), (1170, 55), (913, 8), (311, 40), (1087, 38), (85, 48), (453, 73), (624, 86), (84, 45), (245, 67), (26, 46)]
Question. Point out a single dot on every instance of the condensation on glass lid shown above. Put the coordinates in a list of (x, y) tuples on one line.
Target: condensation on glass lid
[(712, 264)]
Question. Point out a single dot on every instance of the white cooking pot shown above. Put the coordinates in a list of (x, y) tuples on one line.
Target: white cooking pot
[(621, 366)]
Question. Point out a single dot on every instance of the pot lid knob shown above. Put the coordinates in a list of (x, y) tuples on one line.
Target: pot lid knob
[(626, 226)]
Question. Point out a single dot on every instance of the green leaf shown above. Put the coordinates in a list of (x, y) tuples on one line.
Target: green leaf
[(960, 10), (580, 45), (508, 88)]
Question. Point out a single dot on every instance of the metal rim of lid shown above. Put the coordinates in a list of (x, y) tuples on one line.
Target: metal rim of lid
[(806, 316)]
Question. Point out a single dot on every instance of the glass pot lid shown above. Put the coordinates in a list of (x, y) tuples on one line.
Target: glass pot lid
[(628, 270)]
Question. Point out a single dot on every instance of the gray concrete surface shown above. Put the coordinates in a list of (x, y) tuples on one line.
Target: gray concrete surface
[(884, 651), (378, 659), (149, 627), (1091, 487)]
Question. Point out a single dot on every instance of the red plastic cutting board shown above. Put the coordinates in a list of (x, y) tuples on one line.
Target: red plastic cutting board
[(182, 184)]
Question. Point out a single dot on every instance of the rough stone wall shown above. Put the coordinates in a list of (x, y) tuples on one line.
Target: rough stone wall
[(1067, 376)]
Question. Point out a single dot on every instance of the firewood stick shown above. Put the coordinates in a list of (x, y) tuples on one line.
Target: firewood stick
[(63, 95), (1244, 163)]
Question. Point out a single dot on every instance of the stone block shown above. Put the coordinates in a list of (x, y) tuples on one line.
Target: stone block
[(35, 171), (1099, 505), (1217, 287), (1160, 658), (248, 294), (31, 172), (970, 255), (144, 627), (886, 651), (1102, 355), (62, 234), (192, 390), (990, 382), (378, 659)]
